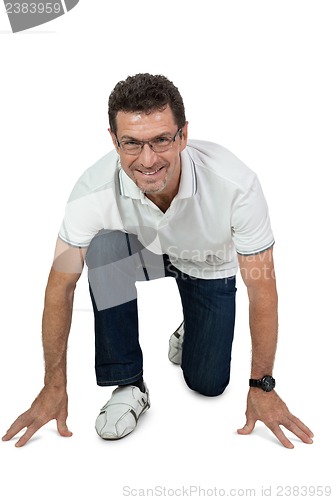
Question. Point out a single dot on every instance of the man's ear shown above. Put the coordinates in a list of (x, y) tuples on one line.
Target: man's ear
[(184, 136), (114, 139)]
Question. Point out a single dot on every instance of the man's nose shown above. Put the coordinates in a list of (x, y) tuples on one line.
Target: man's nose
[(147, 156)]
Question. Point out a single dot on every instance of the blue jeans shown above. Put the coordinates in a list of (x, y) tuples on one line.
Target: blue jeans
[(115, 262)]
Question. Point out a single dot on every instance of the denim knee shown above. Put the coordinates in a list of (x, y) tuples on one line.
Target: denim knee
[(112, 268), (207, 387), (109, 246)]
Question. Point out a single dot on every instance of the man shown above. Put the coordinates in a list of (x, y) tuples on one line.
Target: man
[(159, 205)]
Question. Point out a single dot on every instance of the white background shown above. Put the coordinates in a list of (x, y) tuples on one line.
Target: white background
[(256, 76)]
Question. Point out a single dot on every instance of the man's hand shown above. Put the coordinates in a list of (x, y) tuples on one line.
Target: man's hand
[(50, 404), (269, 408)]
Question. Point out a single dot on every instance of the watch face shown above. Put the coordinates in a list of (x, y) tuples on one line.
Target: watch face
[(268, 383)]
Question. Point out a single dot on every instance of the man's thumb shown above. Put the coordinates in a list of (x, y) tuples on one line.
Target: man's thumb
[(248, 427), (63, 429)]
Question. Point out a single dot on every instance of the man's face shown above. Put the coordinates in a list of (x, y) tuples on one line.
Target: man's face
[(152, 172)]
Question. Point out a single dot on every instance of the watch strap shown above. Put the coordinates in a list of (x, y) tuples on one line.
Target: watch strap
[(255, 383)]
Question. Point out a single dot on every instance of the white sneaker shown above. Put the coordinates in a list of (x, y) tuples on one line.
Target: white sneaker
[(120, 414), (176, 345)]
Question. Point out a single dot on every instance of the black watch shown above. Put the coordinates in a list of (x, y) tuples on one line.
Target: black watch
[(266, 383)]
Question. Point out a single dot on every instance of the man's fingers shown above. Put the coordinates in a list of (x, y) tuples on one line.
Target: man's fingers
[(10, 433), (31, 430), (300, 430), (20, 423), (302, 426), (29, 421), (294, 425), (275, 428), (32, 427)]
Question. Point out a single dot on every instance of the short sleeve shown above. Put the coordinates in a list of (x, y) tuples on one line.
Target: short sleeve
[(81, 222), (87, 212), (250, 222)]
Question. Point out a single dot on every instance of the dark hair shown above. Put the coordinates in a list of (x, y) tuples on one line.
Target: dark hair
[(147, 93)]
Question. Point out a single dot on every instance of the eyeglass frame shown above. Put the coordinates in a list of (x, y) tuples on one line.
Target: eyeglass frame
[(142, 144)]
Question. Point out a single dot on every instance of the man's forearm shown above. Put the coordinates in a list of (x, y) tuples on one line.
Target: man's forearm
[(264, 328), (56, 324)]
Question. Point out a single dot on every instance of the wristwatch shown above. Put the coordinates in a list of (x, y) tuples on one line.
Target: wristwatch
[(266, 383)]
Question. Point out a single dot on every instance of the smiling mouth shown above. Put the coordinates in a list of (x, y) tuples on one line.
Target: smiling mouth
[(150, 172)]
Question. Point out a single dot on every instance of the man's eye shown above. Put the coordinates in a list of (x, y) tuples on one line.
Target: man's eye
[(161, 140), (130, 143)]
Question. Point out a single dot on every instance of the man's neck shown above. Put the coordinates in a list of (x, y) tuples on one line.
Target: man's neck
[(162, 200)]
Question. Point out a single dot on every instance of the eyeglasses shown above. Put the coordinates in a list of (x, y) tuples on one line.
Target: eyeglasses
[(158, 145)]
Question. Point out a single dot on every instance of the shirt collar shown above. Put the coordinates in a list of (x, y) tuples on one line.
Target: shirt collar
[(187, 185)]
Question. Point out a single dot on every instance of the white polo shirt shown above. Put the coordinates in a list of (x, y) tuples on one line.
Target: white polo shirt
[(219, 211)]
